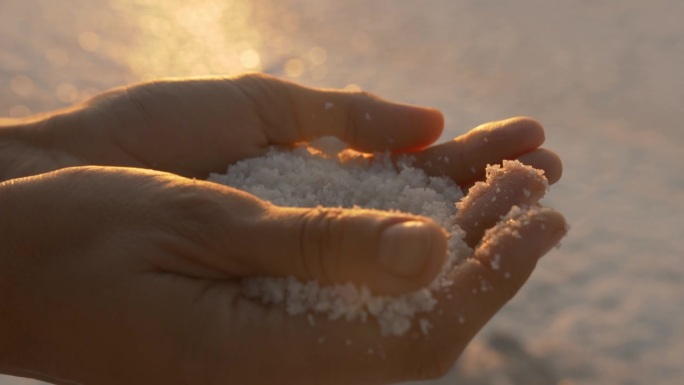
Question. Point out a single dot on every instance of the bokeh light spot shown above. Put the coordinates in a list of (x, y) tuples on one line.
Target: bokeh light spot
[(250, 59), (89, 41), (294, 68), (318, 55), (22, 85), (19, 111), (352, 87)]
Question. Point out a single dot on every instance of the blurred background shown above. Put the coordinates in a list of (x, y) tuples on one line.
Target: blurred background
[(605, 78)]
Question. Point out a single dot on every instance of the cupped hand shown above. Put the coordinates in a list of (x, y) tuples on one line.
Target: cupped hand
[(132, 276), (192, 127)]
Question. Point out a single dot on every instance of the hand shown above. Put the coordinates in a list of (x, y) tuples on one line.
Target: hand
[(159, 301), (115, 275), (195, 127)]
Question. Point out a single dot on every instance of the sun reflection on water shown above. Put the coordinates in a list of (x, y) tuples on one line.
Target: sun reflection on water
[(197, 37), (110, 43)]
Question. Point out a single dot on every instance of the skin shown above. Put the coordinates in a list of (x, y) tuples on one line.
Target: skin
[(117, 266)]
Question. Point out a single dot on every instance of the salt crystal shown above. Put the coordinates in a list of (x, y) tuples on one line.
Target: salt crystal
[(495, 263), (368, 116), (329, 105), (425, 325)]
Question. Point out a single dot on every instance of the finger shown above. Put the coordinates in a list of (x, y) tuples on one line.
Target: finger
[(512, 185), (502, 264), (546, 160), (387, 252), (391, 253), (294, 113), (465, 158)]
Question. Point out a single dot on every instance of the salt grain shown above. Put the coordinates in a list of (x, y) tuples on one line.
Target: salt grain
[(495, 263), (425, 325)]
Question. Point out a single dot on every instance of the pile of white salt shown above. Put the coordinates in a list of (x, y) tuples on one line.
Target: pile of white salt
[(307, 177)]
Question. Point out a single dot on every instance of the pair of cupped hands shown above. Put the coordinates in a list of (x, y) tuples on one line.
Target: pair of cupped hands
[(119, 264)]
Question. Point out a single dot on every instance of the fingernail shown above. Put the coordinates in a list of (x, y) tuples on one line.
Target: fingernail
[(405, 248)]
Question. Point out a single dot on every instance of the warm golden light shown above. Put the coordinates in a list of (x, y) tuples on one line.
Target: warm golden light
[(200, 37), (294, 68)]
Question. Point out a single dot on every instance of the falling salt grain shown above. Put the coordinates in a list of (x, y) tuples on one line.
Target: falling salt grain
[(348, 342), (329, 105), (368, 116), (496, 262), (485, 286), (526, 192), (425, 325)]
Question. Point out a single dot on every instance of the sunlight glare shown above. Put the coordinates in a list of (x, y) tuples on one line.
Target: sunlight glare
[(180, 38)]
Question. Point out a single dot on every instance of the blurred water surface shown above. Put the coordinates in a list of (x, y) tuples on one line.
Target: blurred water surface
[(605, 78)]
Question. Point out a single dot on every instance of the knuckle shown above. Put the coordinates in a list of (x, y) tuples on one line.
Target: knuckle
[(319, 244), (270, 101), (190, 214)]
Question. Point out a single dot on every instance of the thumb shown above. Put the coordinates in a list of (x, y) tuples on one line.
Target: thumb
[(391, 253)]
